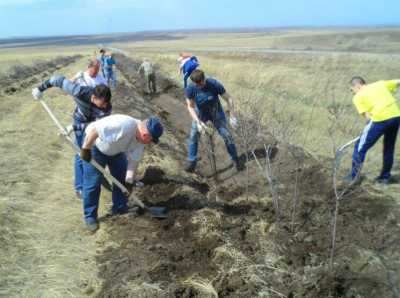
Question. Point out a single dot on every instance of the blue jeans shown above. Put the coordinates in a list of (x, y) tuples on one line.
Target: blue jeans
[(371, 134), (92, 183), (79, 137), (220, 124), (111, 78)]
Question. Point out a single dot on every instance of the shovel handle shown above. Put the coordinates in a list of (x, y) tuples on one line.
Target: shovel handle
[(93, 162)]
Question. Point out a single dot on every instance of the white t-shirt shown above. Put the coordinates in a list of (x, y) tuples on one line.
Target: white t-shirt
[(117, 134), (89, 81), (147, 67)]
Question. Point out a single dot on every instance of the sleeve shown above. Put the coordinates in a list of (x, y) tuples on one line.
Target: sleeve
[(391, 85), (219, 88), (136, 154), (189, 92), (360, 104), (54, 81)]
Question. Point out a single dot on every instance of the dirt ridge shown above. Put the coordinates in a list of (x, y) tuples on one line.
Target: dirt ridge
[(217, 241)]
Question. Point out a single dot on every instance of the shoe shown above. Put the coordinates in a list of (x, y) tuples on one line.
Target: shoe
[(349, 179), (78, 193), (239, 165), (122, 211), (383, 181), (92, 226), (190, 167)]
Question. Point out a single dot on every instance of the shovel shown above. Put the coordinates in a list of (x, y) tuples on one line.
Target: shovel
[(156, 212), (340, 152)]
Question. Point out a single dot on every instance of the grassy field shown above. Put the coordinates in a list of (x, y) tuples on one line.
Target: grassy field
[(45, 252), (297, 91)]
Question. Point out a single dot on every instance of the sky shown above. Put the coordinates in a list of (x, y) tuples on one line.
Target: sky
[(74, 17)]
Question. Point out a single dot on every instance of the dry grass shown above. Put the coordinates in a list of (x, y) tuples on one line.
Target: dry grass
[(45, 251), (295, 89), (204, 286)]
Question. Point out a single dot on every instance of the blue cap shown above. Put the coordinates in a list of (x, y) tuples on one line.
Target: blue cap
[(155, 128)]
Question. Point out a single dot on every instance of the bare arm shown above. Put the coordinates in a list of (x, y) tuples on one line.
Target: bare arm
[(190, 106), (229, 101), (90, 138), (131, 170)]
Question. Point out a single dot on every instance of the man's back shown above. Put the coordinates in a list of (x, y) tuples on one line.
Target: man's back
[(377, 99), (89, 81), (147, 67)]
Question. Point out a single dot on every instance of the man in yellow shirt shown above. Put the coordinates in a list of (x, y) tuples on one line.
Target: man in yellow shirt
[(376, 103)]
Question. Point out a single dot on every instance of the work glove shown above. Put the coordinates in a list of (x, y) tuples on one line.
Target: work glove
[(79, 75), (201, 127), (69, 129), (37, 94), (86, 154), (233, 122), (129, 186)]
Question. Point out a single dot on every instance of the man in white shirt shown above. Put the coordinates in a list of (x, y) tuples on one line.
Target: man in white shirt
[(116, 141), (91, 76)]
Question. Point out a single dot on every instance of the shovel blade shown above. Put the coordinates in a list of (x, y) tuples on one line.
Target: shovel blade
[(158, 212)]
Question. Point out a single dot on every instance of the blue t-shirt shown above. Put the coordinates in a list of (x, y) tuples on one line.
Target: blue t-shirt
[(190, 65), (206, 99), (108, 63)]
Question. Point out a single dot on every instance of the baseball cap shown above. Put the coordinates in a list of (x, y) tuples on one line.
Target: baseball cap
[(155, 128)]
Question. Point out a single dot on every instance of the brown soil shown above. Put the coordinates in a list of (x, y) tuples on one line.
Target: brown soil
[(21, 76), (219, 232)]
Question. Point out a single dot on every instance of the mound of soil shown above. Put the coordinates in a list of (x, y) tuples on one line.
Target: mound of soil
[(224, 236), (21, 76)]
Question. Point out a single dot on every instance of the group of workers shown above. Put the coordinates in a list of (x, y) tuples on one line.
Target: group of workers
[(118, 141)]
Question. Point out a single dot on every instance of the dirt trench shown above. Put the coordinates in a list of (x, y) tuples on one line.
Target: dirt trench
[(20, 77), (222, 240)]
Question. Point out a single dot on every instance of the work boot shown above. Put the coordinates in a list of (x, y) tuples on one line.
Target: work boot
[(349, 179), (239, 165), (122, 211), (383, 181), (190, 166), (92, 225)]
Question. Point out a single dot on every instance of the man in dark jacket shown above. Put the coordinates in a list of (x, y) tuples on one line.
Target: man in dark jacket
[(91, 104)]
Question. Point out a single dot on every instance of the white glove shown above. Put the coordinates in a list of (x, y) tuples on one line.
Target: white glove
[(79, 75), (139, 184), (37, 94), (201, 127), (69, 129), (233, 122)]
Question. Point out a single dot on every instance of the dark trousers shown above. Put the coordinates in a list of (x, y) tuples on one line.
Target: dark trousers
[(371, 134)]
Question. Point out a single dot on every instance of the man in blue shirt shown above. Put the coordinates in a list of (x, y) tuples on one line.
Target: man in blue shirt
[(108, 70), (102, 61), (188, 65), (202, 98)]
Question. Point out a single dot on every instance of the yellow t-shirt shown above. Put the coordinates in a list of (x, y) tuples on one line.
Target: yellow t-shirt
[(377, 100)]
